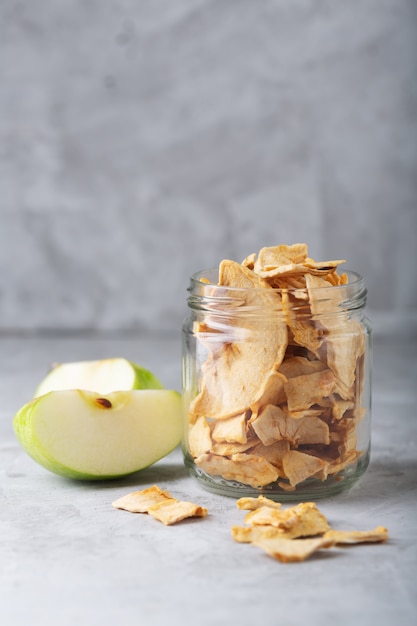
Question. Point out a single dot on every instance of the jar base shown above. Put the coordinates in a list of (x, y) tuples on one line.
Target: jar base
[(310, 490)]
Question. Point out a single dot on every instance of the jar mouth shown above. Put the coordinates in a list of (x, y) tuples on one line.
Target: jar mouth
[(204, 287), (209, 278)]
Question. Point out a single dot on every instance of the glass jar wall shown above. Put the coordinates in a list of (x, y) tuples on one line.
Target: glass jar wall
[(276, 387)]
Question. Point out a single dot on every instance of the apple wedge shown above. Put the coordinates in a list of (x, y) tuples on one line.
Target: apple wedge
[(102, 376), (90, 436)]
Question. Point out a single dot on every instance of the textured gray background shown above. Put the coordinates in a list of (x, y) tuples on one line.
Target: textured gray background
[(143, 140)]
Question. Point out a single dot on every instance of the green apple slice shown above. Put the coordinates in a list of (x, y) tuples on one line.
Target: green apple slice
[(102, 376), (89, 436)]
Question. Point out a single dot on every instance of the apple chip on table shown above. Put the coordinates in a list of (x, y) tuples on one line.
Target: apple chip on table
[(160, 505), (142, 501), (294, 533), (277, 397)]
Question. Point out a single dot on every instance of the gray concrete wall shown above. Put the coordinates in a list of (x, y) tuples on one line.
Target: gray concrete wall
[(141, 141)]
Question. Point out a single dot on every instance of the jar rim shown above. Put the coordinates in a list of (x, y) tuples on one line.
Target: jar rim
[(199, 279)]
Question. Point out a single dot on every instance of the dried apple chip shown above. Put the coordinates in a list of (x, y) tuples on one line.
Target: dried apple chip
[(326, 266), (337, 279), (251, 504), (294, 284), (343, 351), (297, 269), (308, 389), (305, 333), (336, 466), (210, 337), (172, 511), (141, 501), (249, 534), (272, 391), (266, 425), (320, 412), (378, 534), (271, 257), (160, 505), (273, 453), (300, 366), (245, 468), (339, 407), (199, 436), (232, 430), (302, 520), (273, 424), (224, 448), (291, 260), (249, 261), (291, 550), (299, 466), (310, 521), (234, 377), (345, 338)]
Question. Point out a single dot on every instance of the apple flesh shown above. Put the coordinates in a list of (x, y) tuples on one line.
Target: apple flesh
[(90, 436), (102, 376)]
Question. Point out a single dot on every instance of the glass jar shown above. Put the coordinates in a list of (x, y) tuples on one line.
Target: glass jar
[(277, 388)]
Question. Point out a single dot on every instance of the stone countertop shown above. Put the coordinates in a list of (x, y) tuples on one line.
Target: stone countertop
[(67, 556)]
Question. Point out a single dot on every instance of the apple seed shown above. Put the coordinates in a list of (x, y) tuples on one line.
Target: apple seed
[(104, 402)]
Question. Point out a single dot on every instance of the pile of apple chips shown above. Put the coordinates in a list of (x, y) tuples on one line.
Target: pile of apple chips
[(280, 383), (297, 532)]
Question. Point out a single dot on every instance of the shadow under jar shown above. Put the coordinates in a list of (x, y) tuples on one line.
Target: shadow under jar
[(276, 388)]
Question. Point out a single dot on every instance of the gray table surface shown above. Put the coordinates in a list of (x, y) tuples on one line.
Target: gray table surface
[(67, 556)]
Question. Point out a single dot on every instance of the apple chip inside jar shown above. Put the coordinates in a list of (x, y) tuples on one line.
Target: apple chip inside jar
[(243, 467), (304, 391), (273, 425), (231, 430), (199, 437), (234, 375), (280, 381)]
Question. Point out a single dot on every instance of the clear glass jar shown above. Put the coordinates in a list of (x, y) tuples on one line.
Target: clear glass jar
[(277, 388)]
